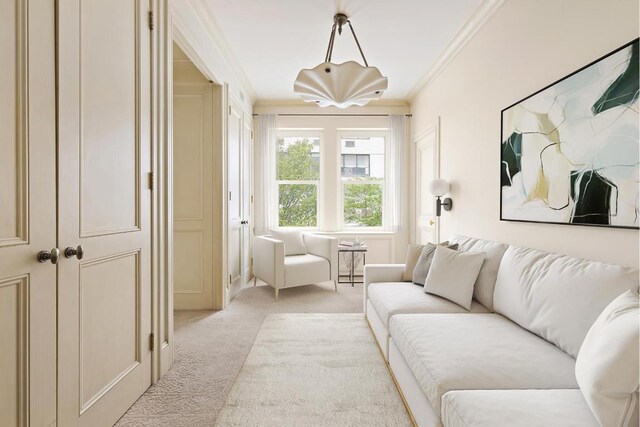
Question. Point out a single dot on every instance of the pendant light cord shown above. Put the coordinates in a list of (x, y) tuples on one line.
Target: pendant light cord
[(332, 39), (358, 43)]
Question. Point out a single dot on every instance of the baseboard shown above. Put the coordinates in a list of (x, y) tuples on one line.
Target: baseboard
[(393, 377)]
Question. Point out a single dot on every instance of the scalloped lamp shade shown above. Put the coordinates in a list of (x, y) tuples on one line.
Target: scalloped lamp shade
[(340, 85)]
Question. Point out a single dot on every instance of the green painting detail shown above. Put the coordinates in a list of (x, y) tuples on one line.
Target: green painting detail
[(624, 90), (511, 154)]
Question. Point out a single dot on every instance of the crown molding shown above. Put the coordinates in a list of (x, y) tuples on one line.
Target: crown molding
[(301, 103), (221, 42), (478, 18)]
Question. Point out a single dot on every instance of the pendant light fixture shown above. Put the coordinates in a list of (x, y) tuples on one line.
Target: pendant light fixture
[(340, 85)]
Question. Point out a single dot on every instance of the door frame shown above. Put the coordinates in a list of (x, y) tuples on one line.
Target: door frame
[(166, 31), (432, 130)]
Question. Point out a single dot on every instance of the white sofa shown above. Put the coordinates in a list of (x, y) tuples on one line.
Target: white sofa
[(318, 264), (510, 360)]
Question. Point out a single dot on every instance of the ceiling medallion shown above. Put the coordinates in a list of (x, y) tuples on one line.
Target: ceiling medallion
[(340, 85)]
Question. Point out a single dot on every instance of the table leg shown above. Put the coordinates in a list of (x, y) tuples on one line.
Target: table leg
[(353, 263)]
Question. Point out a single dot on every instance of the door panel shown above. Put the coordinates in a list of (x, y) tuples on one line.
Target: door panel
[(427, 224), (108, 108), (109, 312), (234, 177), (193, 273), (27, 214), (247, 192), (104, 205)]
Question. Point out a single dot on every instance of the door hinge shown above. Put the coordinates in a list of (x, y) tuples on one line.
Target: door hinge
[(229, 279), (151, 181), (229, 195), (252, 198), (251, 261), (252, 135), (151, 19), (229, 109), (152, 342)]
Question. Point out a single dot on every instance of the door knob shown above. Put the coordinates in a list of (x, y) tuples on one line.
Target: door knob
[(53, 256), (71, 252), (244, 222), (431, 222)]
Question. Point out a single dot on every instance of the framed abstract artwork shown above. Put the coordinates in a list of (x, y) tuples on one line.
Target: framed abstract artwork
[(570, 152)]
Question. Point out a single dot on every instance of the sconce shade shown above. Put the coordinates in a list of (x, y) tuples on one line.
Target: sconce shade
[(439, 187), (341, 85)]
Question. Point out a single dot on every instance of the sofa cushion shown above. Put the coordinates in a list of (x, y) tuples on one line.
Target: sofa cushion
[(607, 365), (389, 299), (555, 296), (486, 281), (421, 269), (523, 408), (413, 254), (477, 351), (453, 274), (305, 269), (292, 239)]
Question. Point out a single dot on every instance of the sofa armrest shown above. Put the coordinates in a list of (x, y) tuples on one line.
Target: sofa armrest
[(325, 247), (268, 260), (375, 273)]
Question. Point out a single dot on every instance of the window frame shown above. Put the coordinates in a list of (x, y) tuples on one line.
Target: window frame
[(345, 133), (275, 204)]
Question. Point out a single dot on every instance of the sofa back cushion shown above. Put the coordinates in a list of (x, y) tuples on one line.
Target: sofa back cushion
[(555, 296), (486, 281)]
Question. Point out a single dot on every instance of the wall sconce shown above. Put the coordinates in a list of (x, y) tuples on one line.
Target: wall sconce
[(440, 187)]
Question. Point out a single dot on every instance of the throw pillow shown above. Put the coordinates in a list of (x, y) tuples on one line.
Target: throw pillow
[(607, 364), (423, 264), (293, 241), (453, 275), (413, 253)]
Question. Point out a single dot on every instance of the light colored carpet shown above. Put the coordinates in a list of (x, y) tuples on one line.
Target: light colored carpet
[(314, 370), (211, 346)]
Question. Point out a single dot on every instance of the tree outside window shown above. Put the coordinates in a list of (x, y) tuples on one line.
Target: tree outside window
[(298, 176)]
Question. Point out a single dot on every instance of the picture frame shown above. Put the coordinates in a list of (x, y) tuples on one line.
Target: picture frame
[(570, 151)]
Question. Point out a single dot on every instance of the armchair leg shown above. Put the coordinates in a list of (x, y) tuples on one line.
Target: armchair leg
[(277, 293), (335, 285)]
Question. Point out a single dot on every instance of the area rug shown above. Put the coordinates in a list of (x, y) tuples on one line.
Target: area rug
[(314, 370)]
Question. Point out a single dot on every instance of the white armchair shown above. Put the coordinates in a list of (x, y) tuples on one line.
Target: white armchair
[(319, 264)]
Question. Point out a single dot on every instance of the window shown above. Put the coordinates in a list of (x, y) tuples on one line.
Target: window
[(355, 164), (362, 174), (298, 177)]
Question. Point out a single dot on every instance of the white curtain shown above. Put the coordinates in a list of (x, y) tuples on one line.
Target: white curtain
[(265, 178), (395, 172)]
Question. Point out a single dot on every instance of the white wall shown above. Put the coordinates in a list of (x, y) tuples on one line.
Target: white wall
[(384, 247), (199, 37), (525, 45)]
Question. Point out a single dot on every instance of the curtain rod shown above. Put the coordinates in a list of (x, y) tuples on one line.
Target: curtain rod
[(336, 115)]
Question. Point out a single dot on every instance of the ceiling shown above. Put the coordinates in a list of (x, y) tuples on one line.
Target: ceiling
[(274, 39)]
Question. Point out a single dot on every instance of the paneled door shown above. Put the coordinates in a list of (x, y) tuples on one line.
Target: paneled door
[(104, 318), (427, 169), (247, 197), (27, 214), (235, 214), (193, 189)]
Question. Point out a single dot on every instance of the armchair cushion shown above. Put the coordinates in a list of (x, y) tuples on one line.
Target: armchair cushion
[(292, 239), (305, 269)]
